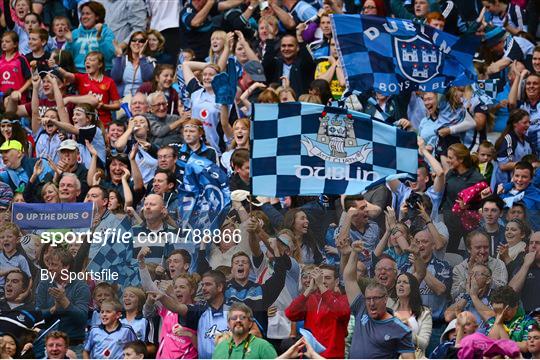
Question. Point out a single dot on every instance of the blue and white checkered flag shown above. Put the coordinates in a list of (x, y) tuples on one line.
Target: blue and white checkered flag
[(309, 149), (395, 55)]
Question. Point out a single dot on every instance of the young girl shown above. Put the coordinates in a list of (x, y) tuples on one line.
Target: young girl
[(16, 10), (86, 129), (163, 79), (485, 153), (512, 145), (194, 142), (46, 134), (203, 100), (239, 132), (134, 299), (453, 117), (15, 71), (94, 82), (138, 131)]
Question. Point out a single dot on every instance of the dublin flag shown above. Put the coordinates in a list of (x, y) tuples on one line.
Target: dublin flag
[(395, 55), (309, 149)]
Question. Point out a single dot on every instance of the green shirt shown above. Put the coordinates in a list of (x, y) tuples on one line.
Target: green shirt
[(517, 328), (251, 348)]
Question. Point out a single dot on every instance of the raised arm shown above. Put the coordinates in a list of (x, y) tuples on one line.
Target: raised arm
[(138, 183), (224, 118), (349, 274), (518, 280), (189, 66), (201, 15), (434, 164), (515, 90), (128, 195), (285, 17), (121, 142), (36, 120)]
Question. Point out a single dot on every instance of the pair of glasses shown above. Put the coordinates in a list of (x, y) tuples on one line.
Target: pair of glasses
[(139, 41), (238, 317), (158, 105)]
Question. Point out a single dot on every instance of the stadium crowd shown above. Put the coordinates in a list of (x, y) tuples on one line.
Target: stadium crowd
[(443, 266)]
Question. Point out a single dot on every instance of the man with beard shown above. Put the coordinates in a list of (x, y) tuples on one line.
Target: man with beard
[(377, 333), (243, 344), (477, 243)]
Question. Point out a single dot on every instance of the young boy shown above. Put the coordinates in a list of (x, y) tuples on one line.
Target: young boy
[(37, 40), (135, 350), (240, 164), (108, 339), (60, 27), (486, 150), (102, 292), (10, 257)]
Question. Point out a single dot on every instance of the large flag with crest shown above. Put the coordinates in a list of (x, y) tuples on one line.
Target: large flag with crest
[(309, 149), (395, 55), (204, 193)]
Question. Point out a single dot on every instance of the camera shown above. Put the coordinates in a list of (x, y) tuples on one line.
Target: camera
[(413, 200)]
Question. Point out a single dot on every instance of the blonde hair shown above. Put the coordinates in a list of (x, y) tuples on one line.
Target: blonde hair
[(221, 34), (139, 293), (15, 230), (246, 123)]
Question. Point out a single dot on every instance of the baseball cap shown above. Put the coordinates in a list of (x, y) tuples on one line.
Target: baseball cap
[(494, 36), (11, 145), (255, 70), (68, 144)]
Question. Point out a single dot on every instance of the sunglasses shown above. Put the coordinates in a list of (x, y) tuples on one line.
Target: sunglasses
[(140, 41)]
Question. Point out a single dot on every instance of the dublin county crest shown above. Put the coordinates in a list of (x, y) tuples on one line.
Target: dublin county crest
[(336, 140), (417, 58)]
